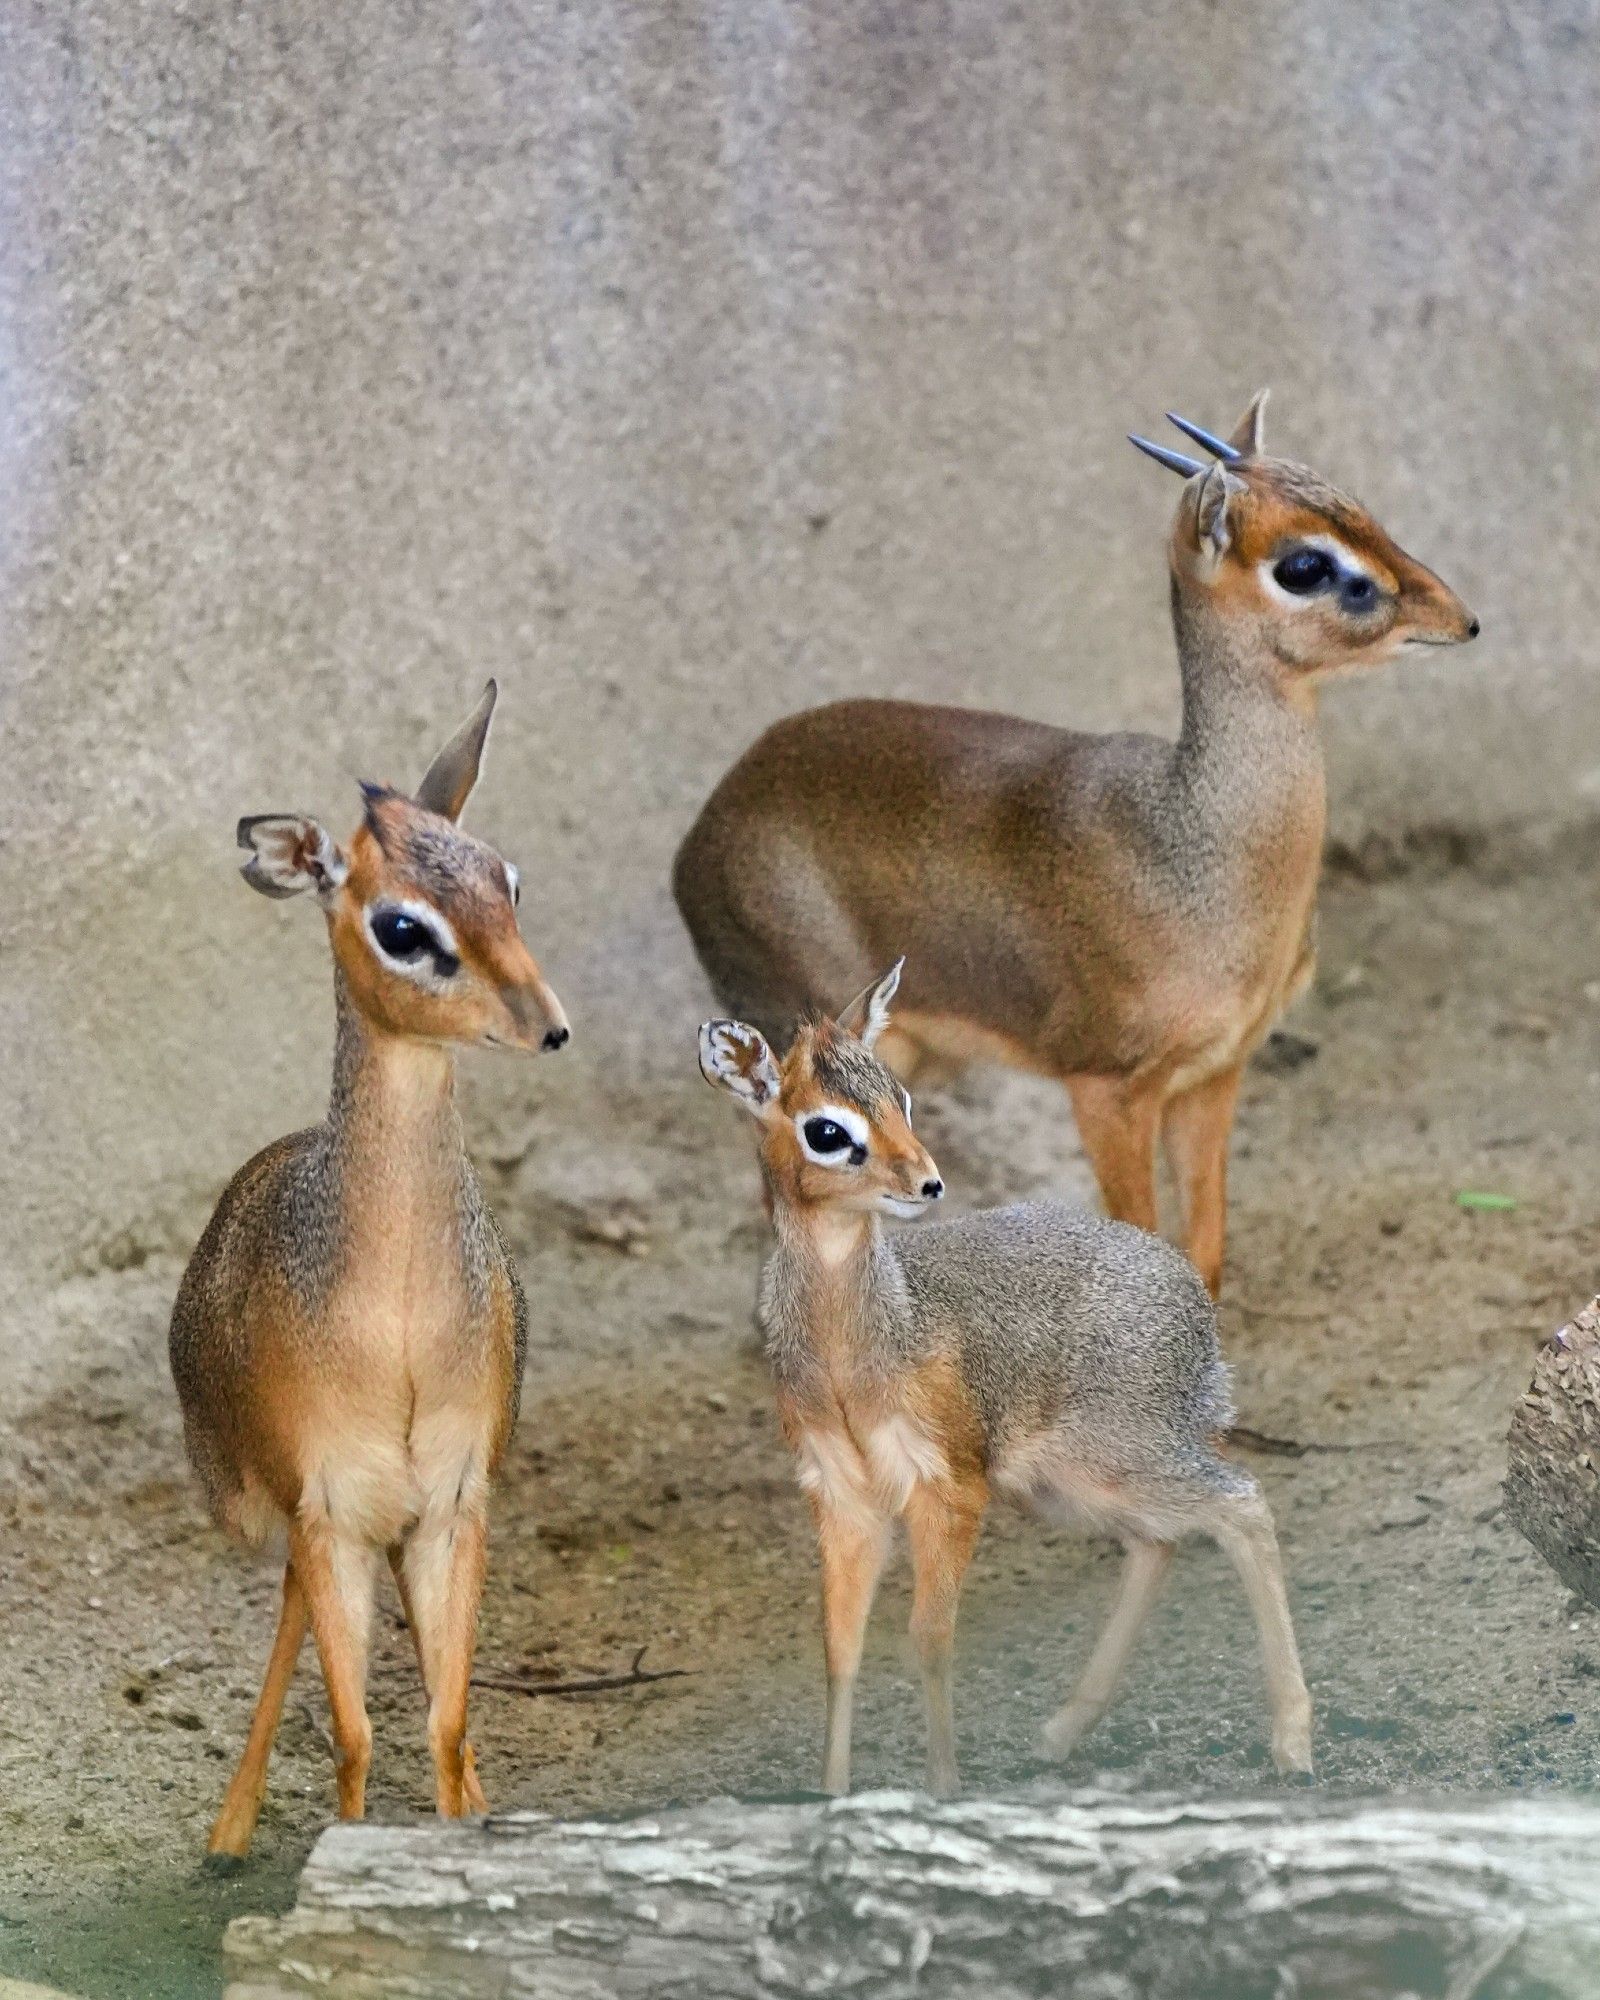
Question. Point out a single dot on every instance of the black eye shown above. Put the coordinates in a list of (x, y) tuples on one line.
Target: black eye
[(1305, 570), (406, 939), (824, 1136), (401, 936)]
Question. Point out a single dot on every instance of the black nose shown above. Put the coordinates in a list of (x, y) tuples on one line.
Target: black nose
[(1474, 629), (933, 1189), (558, 1038)]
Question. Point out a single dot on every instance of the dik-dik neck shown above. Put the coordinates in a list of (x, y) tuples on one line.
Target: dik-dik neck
[(1247, 767), (826, 1292), (393, 1131)]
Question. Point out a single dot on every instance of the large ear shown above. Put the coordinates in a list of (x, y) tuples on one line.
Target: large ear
[(868, 1013), (736, 1059), (1218, 491), (290, 852), (1247, 437), (449, 780)]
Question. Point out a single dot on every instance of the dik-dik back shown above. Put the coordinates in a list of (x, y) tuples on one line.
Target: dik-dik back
[(348, 1339), (1125, 913)]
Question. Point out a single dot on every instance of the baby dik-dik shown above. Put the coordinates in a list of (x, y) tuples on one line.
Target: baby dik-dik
[(1038, 1352), (1124, 913), (348, 1338)]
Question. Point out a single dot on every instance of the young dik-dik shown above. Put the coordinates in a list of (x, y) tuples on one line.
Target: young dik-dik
[(1037, 1352), (1124, 913), (348, 1339)]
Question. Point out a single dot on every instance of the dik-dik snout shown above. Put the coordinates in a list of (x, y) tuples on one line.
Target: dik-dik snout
[(1266, 545), (422, 917), (835, 1122)]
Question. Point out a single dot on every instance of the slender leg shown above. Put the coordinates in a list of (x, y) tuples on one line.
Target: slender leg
[(1244, 1530), (853, 1546), (336, 1575), (1196, 1130), (241, 1804), (1142, 1574), (471, 1787), (943, 1533), (1117, 1123), (444, 1563)]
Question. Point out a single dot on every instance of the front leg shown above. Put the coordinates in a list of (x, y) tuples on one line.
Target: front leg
[(1117, 1119), (944, 1531), (1196, 1130), (854, 1541)]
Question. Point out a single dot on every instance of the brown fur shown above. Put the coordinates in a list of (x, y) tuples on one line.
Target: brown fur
[(1126, 914), (348, 1340)]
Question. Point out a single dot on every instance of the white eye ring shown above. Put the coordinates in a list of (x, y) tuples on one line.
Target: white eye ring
[(851, 1123), (420, 971)]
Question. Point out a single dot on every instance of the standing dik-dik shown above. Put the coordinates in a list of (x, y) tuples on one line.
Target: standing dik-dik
[(1127, 914), (348, 1339), (1037, 1352)]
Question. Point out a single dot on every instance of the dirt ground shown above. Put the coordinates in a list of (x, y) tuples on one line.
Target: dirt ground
[(648, 1501)]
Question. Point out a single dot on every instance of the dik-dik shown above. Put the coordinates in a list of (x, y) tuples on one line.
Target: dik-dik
[(1038, 1352), (1127, 914), (348, 1340)]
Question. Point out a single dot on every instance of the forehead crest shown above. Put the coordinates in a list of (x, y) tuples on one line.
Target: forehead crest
[(427, 849), (843, 1069)]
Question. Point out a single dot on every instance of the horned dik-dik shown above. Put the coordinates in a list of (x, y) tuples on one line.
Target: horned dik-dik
[(348, 1339), (1039, 1353), (1126, 914)]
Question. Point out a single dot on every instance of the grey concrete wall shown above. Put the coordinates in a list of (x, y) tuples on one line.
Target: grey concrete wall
[(682, 364)]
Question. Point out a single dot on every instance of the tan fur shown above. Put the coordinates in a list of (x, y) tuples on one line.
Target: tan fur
[(349, 1337), (1128, 915)]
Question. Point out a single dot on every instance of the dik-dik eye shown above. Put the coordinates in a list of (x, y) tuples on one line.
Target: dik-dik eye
[(411, 942), (1305, 571), (834, 1137)]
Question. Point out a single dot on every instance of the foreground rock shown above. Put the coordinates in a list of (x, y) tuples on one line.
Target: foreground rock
[(1553, 1455), (886, 1895)]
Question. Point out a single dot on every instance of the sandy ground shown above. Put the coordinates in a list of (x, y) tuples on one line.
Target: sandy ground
[(648, 1501)]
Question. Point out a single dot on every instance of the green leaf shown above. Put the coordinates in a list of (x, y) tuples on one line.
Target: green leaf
[(1485, 1203)]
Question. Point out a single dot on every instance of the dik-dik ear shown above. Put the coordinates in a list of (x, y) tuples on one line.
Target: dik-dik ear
[(736, 1059), (448, 782), (290, 852), (868, 1013), (1247, 437), (1219, 491)]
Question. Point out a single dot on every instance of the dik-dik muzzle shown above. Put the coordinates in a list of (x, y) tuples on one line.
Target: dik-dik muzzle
[(1266, 543)]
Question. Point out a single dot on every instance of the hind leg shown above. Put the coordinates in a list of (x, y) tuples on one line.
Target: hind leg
[(472, 1789), (1244, 1530), (1142, 1575), (241, 1805)]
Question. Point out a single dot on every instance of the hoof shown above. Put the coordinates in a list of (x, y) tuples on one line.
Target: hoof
[(1065, 1730), (1291, 1749), (221, 1863)]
